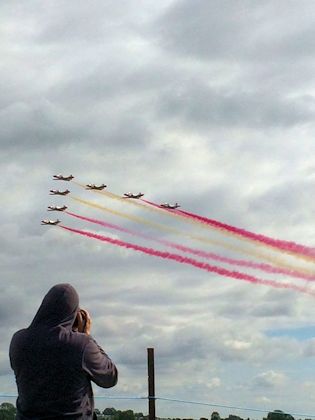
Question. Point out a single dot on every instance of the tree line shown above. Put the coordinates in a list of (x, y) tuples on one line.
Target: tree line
[(8, 412)]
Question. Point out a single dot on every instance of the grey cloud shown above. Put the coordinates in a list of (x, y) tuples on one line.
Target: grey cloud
[(212, 32), (50, 129), (5, 367), (198, 342), (200, 105), (37, 126), (265, 309), (12, 298), (267, 49), (270, 379), (242, 29), (268, 306), (57, 22), (288, 198)]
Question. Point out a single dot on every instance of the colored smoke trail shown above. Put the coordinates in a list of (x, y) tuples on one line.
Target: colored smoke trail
[(109, 194), (291, 247), (126, 216), (152, 224), (264, 267), (133, 202), (274, 260), (190, 261), (197, 220), (106, 224)]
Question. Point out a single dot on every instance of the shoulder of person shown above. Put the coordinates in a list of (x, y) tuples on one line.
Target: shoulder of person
[(76, 339), (19, 334)]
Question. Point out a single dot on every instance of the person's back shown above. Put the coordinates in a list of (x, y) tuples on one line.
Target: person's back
[(54, 365)]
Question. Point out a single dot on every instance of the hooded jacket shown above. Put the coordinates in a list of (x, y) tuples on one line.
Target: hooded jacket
[(54, 365)]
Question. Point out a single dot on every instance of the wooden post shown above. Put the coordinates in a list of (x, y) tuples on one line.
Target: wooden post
[(151, 384)]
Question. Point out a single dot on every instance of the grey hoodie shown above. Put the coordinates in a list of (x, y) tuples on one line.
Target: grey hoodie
[(54, 366)]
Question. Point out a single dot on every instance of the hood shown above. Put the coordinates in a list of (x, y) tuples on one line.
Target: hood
[(58, 308)]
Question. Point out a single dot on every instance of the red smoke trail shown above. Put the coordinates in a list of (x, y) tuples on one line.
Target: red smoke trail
[(275, 243), (198, 264), (243, 263)]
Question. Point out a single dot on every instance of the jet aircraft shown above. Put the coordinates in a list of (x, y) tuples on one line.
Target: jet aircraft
[(61, 177), (169, 206), (95, 187), (57, 192), (50, 222), (131, 195), (56, 208)]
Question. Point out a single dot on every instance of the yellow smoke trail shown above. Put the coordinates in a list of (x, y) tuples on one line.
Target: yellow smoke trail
[(160, 211), (274, 260), (120, 198), (126, 216), (199, 223)]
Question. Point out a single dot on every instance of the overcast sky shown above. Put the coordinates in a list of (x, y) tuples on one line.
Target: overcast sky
[(208, 103)]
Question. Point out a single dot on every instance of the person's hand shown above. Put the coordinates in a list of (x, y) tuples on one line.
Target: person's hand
[(84, 322)]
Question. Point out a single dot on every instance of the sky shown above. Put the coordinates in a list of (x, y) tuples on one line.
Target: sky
[(207, 103)]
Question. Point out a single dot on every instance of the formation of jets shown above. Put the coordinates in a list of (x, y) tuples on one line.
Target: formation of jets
[(131, 195), (95, 187), (60, 177), (57, 192), (169, 206), (50, 222), (57, 208)]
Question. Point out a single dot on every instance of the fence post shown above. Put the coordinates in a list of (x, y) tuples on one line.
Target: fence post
[(151, 384)]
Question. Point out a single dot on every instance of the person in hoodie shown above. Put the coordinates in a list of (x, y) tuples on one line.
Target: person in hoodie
[(54, 363)]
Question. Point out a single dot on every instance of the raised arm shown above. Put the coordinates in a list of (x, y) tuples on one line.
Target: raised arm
[(99, 366)]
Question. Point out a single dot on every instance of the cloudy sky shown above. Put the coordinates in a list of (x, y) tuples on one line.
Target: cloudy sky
[(208, 103)]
